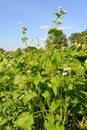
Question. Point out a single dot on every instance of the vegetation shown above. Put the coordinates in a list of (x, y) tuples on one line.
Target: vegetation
[(56, 37), (56, 40), (78, 37), (44, 89)]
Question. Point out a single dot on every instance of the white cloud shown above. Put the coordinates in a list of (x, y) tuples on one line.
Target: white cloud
[(67, 27), (47, 27), (44, 27), (19, 22)]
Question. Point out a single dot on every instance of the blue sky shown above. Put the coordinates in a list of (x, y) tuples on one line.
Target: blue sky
[(38, 15)]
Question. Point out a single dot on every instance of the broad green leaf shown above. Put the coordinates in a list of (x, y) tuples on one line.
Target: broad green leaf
[(54, 85), (3, 65), (50, 125), (29, 96), (85, 63), (8, 128), (25, 121), (20, 81), (46, 94), (3, 122), (58, 127), (0, 118), (53, 106), (85, 124), (37, 78), (49, 122)]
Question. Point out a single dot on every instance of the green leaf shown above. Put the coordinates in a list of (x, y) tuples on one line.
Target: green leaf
[(58, 15), (3, 65), (0, 118), (49, 122), (3, 122), (25, 121), (29, 96), (58, 127), (37, 78), (24, 29), (50, 125), (9, 128), (54, 85), (85, 64), (55, 32), (85, 124), (20, 81), (53, 106), (46, 94), (24, 39)]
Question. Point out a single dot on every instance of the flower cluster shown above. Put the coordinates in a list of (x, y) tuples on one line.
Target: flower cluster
[(66, 71), (59, 16)]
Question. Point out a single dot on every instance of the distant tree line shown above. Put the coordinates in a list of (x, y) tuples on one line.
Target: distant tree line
[(56, 38)]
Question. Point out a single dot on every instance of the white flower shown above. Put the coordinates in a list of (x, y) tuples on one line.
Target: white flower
[(85, 61), (83, 46), (61, 16), (79, 45), (8, 65), (75, 43), (29, 71), (58, 21), (59, 8), (67, 69), (64, 73), (64, 11)]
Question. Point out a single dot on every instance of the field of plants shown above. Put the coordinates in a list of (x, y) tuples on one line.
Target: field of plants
[(44, 89)]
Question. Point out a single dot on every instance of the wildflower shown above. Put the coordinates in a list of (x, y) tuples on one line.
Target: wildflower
[(75, 43), (24, 29), (58, 21), (83, 46), (61, 16), (64, 74), (86, 62), (29, 71), (8, 65), (59, 7), (79, 45), (64, 11), (67, 69)]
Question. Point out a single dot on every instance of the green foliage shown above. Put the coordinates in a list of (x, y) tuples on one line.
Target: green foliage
[(24, 38), (76, 38), (44, 90), (59, 15), (56, 38), (55, 32), (24, 121)]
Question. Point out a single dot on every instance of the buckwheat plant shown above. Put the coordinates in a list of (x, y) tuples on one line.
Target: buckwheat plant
[(55, 31), (24, 38), (59, 16)]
